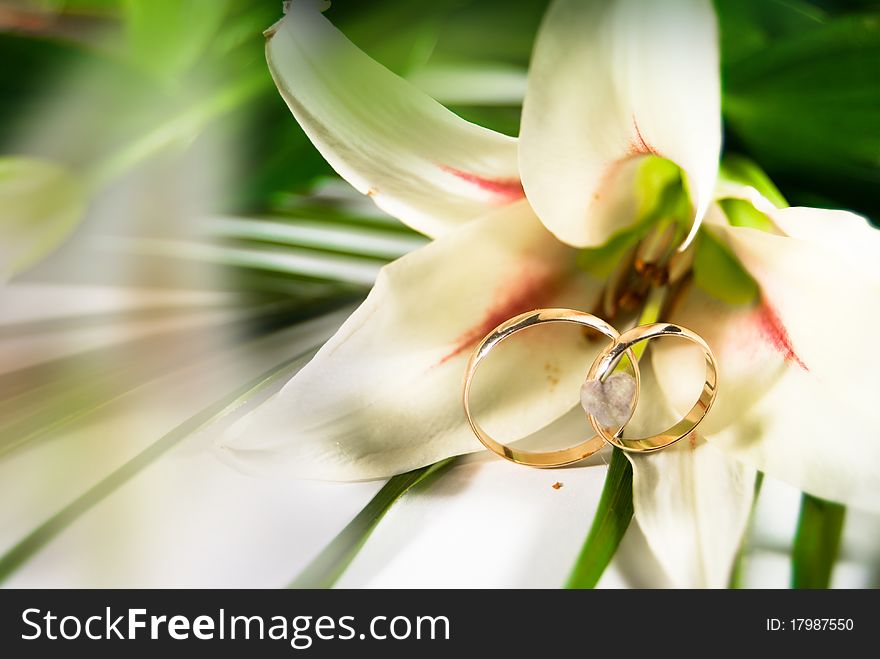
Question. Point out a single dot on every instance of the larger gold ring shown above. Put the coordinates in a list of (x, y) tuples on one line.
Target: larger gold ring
[(608, 359), (555, 458)]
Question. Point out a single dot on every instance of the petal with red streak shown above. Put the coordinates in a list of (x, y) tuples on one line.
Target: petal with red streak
[(415, 158), (384, 394), (611, 81), (795, 389)]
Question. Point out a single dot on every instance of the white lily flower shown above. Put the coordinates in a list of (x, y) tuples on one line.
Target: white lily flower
[(610, 83)]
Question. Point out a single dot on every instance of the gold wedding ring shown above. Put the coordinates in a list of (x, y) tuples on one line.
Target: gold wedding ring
[(559, 457), (604, 364), (607, 360)]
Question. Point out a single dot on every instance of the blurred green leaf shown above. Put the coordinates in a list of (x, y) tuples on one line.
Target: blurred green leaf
[(364, 242), (352, 271), (179, 128), (817, 542), (495, 31), (612, 518), (165, 37), (738, 169), (50, 72), (749, 26), (806, 107), (89, 6), (409, 44), (40, 204), (329, 565), (741, 213), (720, 274)]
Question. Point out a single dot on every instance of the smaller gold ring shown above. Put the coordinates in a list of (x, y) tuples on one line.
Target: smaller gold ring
[(607, 360), (555, 458)]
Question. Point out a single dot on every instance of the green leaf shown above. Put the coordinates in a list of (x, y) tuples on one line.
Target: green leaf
[(364, 242), (40, 204), (806, 107), (719, 273), (41, 77), (610, 523), (601, 261), (512, 26), (749, 26), (816, 542), (739, 169), (329, 565), (166, 37), (179, 128), (741, 213), (347, 270)]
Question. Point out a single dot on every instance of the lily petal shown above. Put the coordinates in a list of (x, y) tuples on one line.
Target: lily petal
[(809, 285), (796, 390), (634, 564), (610, 81), (691, 501), (484, 523), (416, 159), (847, 236), (383, 395), (486, 508)]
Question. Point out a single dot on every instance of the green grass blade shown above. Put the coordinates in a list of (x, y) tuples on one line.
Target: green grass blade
[(816, 542), (364, 242), (610, 523), (329, 565), (42, 399), (40, 536), (270, 258)]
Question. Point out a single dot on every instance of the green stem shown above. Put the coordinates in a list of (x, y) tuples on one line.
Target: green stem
[(329, 565), (610, 523), (616, 503), (816, 542)]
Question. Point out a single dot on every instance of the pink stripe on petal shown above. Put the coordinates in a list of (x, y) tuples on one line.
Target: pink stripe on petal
[(524, 292), (507, 189), (776, 334), (640, 146)]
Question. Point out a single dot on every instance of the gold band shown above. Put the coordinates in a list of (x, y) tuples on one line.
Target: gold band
[(607, 360), (519, 323)]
